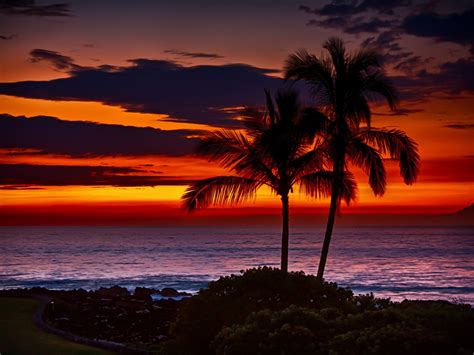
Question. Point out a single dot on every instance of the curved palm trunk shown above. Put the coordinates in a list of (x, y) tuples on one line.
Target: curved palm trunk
[(335, 199), (284, 233), (329, 228)]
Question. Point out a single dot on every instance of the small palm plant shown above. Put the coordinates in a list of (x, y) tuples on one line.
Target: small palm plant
[(276, 148), (343, 85)]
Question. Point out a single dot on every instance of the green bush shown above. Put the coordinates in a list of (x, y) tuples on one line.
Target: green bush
[(230, 300), (294, 330), (409, 328), (266, 311)]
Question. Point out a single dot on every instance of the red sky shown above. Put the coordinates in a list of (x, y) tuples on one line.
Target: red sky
[(139, 81)]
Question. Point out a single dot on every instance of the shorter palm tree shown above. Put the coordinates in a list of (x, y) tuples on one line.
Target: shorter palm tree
[(276, 149)]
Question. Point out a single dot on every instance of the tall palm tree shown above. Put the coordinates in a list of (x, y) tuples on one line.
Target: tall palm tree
[(343, 84), (276, 149)]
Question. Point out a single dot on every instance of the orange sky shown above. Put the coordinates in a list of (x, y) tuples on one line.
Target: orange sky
[(441, 122)]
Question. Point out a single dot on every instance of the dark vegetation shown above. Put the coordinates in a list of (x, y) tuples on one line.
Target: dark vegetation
[(111, 314), (262, 311), (267, 311)]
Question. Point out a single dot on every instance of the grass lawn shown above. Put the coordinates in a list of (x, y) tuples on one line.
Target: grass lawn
[(18, 334)]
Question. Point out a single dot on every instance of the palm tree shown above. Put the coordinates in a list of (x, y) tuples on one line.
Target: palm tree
[(276, 149), (343, 84)]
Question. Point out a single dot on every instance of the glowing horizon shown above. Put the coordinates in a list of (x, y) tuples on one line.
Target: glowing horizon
[(90, 82)]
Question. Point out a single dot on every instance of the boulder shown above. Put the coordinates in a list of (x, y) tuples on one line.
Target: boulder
[(143, 293), (114, 292), (169, 292)]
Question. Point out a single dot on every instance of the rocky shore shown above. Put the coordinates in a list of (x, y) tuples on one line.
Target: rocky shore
[(141, 318)]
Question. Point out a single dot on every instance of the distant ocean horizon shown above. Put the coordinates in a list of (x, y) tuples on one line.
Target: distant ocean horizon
[(396, 262)]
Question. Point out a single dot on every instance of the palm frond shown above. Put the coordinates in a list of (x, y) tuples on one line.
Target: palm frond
[(337, 51), (347, 187), (313, 122), (316, 72), (358, 111), (270, 107), (321, 183), (311, 161), (253, 166), (369, 159), (318, 184), (220, 190), (226, 147), (398, 146), (376, 85), (288, 106), (363, 60), (255, 121)]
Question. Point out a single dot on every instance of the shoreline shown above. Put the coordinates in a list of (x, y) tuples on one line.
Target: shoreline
[(396, 295), (115, 319)]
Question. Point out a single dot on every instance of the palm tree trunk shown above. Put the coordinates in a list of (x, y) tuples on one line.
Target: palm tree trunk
[(329, 228), (338, 171), (284, 233)]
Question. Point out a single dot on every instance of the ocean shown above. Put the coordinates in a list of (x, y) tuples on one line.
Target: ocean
[(396, 262)]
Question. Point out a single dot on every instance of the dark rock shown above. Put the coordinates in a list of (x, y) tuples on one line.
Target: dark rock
[(143, 293), (114, 291), (169, 292)]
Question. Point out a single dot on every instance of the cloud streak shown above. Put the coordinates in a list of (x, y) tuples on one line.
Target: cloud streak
[(193, 54), (49, 135), (7, 38), (29, 8), (196, 94), (27, 176), (56, 60), (454, 27), (461, 126)]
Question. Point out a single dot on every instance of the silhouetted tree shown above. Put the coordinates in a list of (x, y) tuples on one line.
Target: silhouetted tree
[(343, 84), (276, 149)]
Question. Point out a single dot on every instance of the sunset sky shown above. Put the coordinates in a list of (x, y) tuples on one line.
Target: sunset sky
[(101, 102)]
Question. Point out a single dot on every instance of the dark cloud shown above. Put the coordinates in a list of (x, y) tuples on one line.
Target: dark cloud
[(352, 7), (190, 94), (393, 54), (56, 60), (20, 187), (77, 138), (193, 54), (456, 77), (26, 176), (371, 26), (332, 9), (461, 126), (355, 17), (388, 40), (331, 22), (7, 38), (399, 112), (452, 78), (412, 63), (29, 8), (392, 19), (455, 27)]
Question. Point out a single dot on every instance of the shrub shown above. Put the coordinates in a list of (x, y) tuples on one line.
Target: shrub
[(294, 330), (231, 299), (407, 328), (266, 311)]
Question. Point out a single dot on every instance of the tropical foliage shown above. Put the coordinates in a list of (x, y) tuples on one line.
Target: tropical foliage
[(276, 149), (267, 311)]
